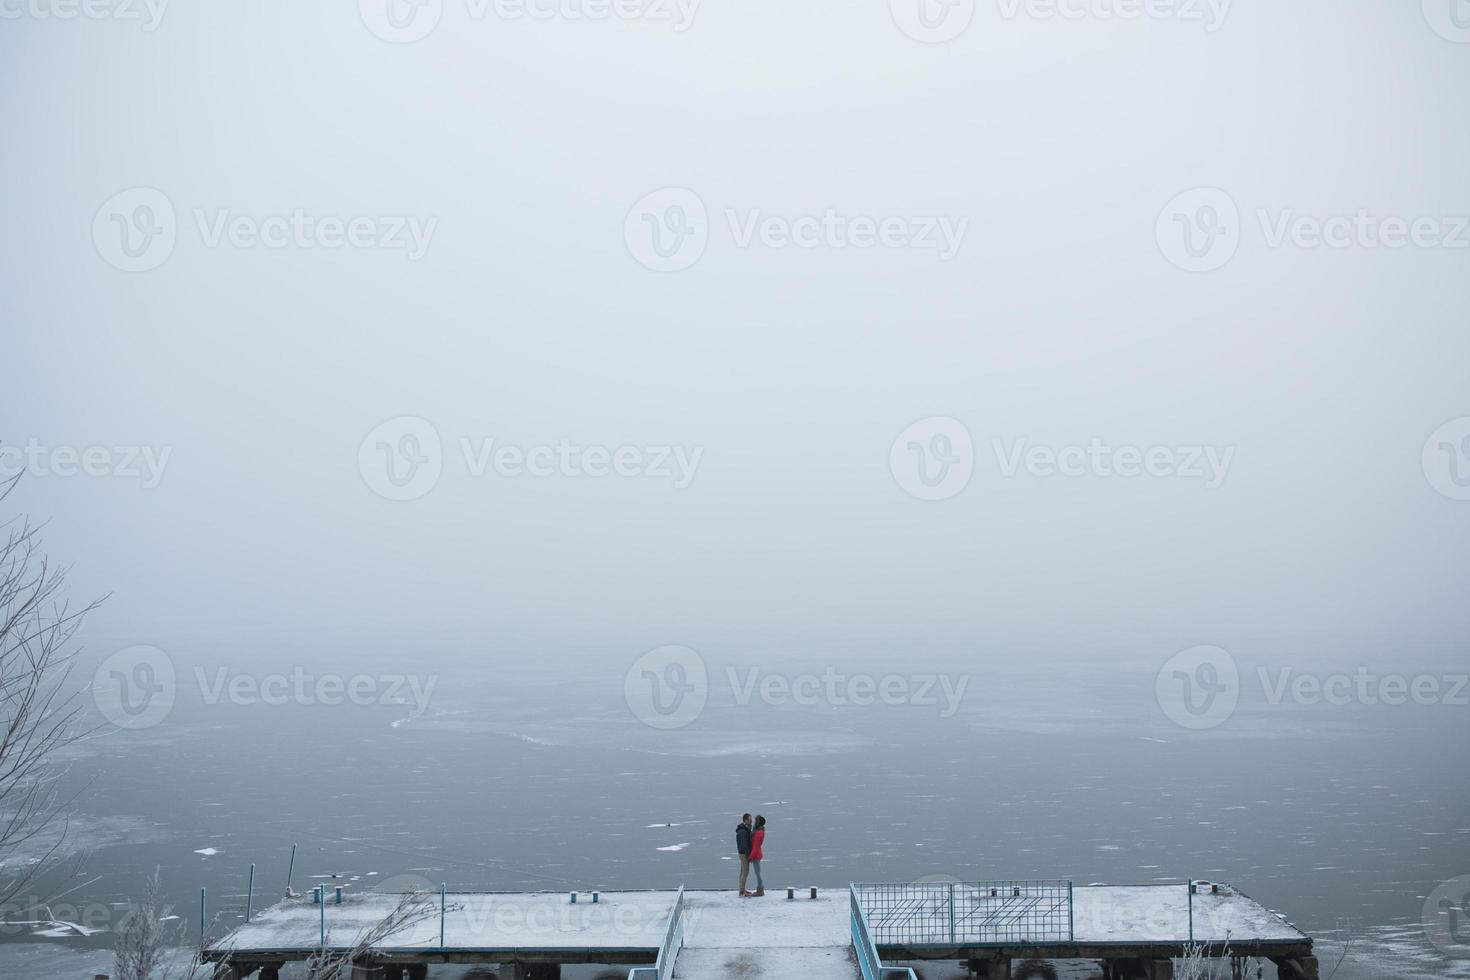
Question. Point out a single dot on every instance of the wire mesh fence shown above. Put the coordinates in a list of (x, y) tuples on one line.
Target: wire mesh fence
[(968, 913)]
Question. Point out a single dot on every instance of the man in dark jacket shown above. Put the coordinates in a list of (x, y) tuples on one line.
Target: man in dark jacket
[(742, 847)]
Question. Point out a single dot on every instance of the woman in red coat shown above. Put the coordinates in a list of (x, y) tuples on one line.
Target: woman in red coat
[(757, 845)]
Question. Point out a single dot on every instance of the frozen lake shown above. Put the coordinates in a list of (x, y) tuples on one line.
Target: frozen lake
[(540, 778)]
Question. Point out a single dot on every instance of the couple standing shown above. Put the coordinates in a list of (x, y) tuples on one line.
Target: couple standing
[(750, 842)]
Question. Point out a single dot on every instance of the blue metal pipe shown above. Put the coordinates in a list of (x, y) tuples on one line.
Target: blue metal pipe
[(249, 894), (290, 868), (201, 918)]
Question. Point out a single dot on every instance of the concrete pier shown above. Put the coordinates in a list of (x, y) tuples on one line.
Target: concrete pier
[(1133, 932)]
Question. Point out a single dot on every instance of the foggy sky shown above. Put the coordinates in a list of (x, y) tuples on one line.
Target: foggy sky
[(528, 321)]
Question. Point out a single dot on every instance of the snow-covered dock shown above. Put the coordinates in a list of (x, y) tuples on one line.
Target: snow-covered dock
[(727, 936), (839, 934), (475, 927)]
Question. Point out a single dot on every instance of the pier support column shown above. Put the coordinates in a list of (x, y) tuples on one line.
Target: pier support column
[(1298, 968), (1138, 969), (992, 969), (397, 971), (531, 971)]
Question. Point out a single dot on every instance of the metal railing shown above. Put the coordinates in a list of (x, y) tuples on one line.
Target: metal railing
[(668, 950), (944, 914), (869, 962)]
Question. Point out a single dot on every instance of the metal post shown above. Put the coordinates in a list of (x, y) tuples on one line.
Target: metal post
[(951, 913), (322, 902), (249, 894), (290, 868), (1071, 916), (1190, 888), (201, 918), (441, 915)]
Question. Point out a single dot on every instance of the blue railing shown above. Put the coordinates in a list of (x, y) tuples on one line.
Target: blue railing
[(869, 962), (950, 914), (668, 950)]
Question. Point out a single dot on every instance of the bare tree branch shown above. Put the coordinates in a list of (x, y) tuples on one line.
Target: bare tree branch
[(411, 909), (39, 715)]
